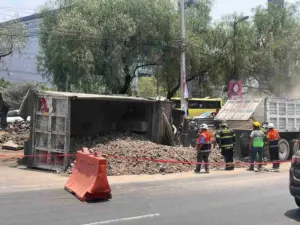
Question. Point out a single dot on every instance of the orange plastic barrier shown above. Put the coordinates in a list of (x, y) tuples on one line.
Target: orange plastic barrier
[(88, 181)]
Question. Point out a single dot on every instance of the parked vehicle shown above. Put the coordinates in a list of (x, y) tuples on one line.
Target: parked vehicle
[(13, 116), (208, 118), (295, 177), (283, 113)]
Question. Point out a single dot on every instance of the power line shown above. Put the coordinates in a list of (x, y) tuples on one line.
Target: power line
[(7, 8)]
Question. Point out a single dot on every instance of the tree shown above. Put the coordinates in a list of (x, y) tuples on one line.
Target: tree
[(198, 52), (103, 43), (274, 58), (13, 37), (267, 49), (14, 94), (148, 87)]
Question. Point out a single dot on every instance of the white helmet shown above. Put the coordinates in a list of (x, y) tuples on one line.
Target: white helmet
[(203, 126), (271, 125)]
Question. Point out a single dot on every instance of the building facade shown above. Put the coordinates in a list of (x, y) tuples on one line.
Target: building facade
[(21, 66)]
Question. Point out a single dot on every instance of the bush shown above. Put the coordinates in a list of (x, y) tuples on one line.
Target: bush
[(13, 95)]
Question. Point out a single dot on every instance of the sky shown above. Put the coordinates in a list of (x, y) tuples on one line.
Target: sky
[(10, 9)]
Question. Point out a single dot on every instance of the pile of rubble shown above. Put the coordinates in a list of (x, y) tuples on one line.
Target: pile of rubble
[(131, 154), (17, 132)]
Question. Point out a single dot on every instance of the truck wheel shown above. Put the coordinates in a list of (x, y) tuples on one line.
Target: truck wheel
[(297, 202), (284, 149), (295, 147)]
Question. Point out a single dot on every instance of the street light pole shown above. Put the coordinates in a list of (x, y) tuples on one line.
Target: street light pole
[(184, 105), (235, 74)]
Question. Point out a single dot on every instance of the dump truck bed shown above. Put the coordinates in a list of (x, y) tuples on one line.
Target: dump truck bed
[(283, 113)]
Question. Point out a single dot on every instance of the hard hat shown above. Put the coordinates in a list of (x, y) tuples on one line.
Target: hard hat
[(224, 125), (256, 124), (271, 125), (203, 126)]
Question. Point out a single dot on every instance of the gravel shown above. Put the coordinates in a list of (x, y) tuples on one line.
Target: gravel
[(18, 132), (123, 152)]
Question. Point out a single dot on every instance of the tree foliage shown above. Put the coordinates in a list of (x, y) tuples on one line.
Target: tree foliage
[(13, 37), (97, 46), (13, 94)]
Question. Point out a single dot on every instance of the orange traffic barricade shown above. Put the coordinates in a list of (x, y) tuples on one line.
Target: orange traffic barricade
[(88, 181)]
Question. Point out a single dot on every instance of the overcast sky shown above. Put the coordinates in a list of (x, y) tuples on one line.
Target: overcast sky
[(10, 8)]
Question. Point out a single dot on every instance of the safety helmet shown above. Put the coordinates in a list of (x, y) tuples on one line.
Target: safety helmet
[(224, 125), (204, 126), (271, 125), (256, 124)]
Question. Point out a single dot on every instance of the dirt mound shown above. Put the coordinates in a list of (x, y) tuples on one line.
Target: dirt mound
[(18, 132), (131, 154)]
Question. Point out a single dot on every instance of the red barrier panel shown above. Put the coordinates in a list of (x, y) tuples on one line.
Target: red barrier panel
[(88, 180)]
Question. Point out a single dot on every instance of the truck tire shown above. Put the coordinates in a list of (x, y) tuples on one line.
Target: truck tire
[(284, 149), (294, 147), (297, 201)]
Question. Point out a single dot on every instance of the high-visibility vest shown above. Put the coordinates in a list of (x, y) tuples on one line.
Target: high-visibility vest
[(273, 138), (206, 147)]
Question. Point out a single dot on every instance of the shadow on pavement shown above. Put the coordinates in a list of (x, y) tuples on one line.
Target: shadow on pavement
[(293, 214)]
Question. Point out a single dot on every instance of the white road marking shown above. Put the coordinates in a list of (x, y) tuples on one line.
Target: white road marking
[(27, 186), (124, 219)]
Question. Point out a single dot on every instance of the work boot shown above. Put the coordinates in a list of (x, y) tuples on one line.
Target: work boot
[(260, 169), (250, 168), (207, 168)]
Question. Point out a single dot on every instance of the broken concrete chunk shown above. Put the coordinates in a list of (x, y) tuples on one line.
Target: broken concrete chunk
[(10, 145)]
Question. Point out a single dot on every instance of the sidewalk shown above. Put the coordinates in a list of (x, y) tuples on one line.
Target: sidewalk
[(14, 180)]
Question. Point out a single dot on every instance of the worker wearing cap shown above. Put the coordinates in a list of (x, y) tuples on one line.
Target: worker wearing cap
[(203, 148), (226, 141), (256, 146), (273, 139)]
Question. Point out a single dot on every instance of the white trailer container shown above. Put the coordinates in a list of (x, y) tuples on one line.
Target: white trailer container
[(283, 113)]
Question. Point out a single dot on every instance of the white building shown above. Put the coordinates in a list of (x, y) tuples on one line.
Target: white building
[(22, 66)]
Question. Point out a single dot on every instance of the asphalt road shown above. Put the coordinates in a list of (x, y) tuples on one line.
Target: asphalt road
[(251, 198)]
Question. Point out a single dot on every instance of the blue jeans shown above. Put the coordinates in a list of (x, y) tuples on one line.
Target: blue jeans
[(253, 153)]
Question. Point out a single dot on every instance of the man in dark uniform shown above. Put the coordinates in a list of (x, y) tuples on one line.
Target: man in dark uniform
[(226, 141), (3, 112)]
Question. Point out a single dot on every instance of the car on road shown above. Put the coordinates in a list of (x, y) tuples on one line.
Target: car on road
[(13, 116), (295, 177), (205, 115)]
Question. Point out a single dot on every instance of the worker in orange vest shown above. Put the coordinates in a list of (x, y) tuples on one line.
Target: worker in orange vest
[(273, 139), (203, 148)]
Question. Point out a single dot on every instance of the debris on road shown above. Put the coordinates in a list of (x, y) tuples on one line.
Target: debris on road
[(11, 145), (17, 132), (125, 154)]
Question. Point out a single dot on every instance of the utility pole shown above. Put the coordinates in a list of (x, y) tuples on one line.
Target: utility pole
[(235, 72), (184, 104)]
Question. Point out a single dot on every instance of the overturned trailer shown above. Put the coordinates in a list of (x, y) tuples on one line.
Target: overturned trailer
[(283, 113), (58, 116)]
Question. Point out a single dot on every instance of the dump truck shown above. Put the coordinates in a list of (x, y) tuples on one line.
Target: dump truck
[(283, 113)]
